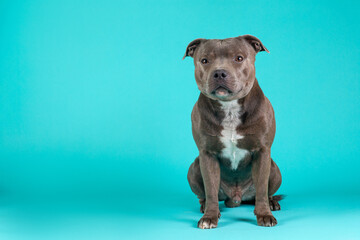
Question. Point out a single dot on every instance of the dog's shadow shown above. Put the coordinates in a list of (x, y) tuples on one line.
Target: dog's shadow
[(247, 220), (225, 220)]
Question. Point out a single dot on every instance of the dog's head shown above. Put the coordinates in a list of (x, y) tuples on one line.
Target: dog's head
[(225, 69)]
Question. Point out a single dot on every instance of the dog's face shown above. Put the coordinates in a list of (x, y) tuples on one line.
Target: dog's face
[(225, 69)]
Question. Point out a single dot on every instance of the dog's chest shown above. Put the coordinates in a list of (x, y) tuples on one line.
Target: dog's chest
[(229, 136)]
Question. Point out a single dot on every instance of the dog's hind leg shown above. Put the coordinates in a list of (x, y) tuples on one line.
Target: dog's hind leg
[(274, 185), (196, 183)]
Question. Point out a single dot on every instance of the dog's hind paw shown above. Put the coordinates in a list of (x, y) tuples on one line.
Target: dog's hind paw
[(202, 205), (274, 204)]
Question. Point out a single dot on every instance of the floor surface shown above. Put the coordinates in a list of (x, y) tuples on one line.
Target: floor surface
[(301, 217)]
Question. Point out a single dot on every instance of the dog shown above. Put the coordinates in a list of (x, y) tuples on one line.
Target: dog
[(233, 126)]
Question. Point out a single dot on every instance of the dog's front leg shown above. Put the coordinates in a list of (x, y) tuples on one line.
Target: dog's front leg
[(260, 173), (210, 171)]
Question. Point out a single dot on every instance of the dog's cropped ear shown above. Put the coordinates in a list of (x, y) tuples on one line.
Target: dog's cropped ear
[(255, 43), (190, 50)]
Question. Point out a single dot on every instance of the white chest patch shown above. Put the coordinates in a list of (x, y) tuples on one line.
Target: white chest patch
[(229, 135)]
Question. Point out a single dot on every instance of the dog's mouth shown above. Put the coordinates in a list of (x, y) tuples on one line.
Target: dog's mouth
[(221, 91)]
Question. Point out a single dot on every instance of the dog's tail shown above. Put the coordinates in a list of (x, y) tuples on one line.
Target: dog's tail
[(278, 197), (275, 197)]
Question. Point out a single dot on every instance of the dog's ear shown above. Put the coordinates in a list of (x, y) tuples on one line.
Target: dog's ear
[(255, 43), (190, 50)]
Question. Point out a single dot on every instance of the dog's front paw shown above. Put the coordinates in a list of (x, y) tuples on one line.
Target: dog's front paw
[(209, 221), (266, 220)]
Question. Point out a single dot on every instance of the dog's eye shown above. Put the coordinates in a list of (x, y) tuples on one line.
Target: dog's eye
[(204, 61), (239, 58)]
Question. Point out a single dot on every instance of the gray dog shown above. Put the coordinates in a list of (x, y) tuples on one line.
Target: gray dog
[(233, 125)]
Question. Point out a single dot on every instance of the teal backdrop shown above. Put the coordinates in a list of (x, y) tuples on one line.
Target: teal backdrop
[(95, 103)]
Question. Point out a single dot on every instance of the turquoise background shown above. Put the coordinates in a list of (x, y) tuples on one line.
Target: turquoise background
[(95, 103)]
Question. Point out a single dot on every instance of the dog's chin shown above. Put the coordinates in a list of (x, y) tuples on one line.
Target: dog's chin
[(223, 94)]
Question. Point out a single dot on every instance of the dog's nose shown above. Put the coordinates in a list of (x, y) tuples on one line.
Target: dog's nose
[(220, 74)]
